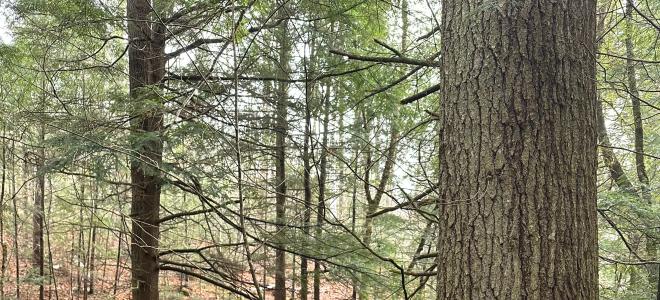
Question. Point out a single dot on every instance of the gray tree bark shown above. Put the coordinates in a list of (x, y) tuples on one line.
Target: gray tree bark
[(517, 206)]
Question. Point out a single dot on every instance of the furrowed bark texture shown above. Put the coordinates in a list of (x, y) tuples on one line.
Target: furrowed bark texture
[(146, 64), (517, 205)]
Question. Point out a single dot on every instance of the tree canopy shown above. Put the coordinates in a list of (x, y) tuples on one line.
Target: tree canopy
[(328, 149)]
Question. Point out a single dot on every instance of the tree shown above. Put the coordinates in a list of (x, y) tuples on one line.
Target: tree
[(517, 206), (146, 64), (282, 94), (290, 149), (322, 180), (38, 213), (640, 165)]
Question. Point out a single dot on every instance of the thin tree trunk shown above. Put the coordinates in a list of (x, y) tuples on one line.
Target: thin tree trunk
[(420, 247), (323, 174), (636, 106), (38, 214), (280, 154), (183, 278), (640, 166), (15, 212), (386, 175), (89, 277), (304, 282), (146, 68), (356, 150), (115, 282), (84, 252), (390, 156), (373, 203), (48, 241), (619, 176), (106, 246), (307, 215), (517, 208), (609, 158), (80, 257), (71, 262), (616, 171), (118, 262), (2, 217), (310, 85)]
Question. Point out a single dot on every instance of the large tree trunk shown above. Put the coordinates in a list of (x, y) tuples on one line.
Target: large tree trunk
[(517, 209), (146, 69)]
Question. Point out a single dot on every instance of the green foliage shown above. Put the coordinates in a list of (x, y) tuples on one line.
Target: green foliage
[(66, 72)]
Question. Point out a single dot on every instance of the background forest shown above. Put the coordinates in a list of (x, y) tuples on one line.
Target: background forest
[(289, 148)]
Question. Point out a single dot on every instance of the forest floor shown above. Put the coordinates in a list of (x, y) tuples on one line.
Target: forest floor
[(66, 284), (103, 287)]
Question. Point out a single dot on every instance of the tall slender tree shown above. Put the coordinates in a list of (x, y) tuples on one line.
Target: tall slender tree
[(323, 177), (638, 137), (282, 98), (146, 64), (307, 180), (38, 213)]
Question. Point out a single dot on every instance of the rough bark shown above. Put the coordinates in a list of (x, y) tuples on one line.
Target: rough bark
[(146, 69), (517, 209)]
